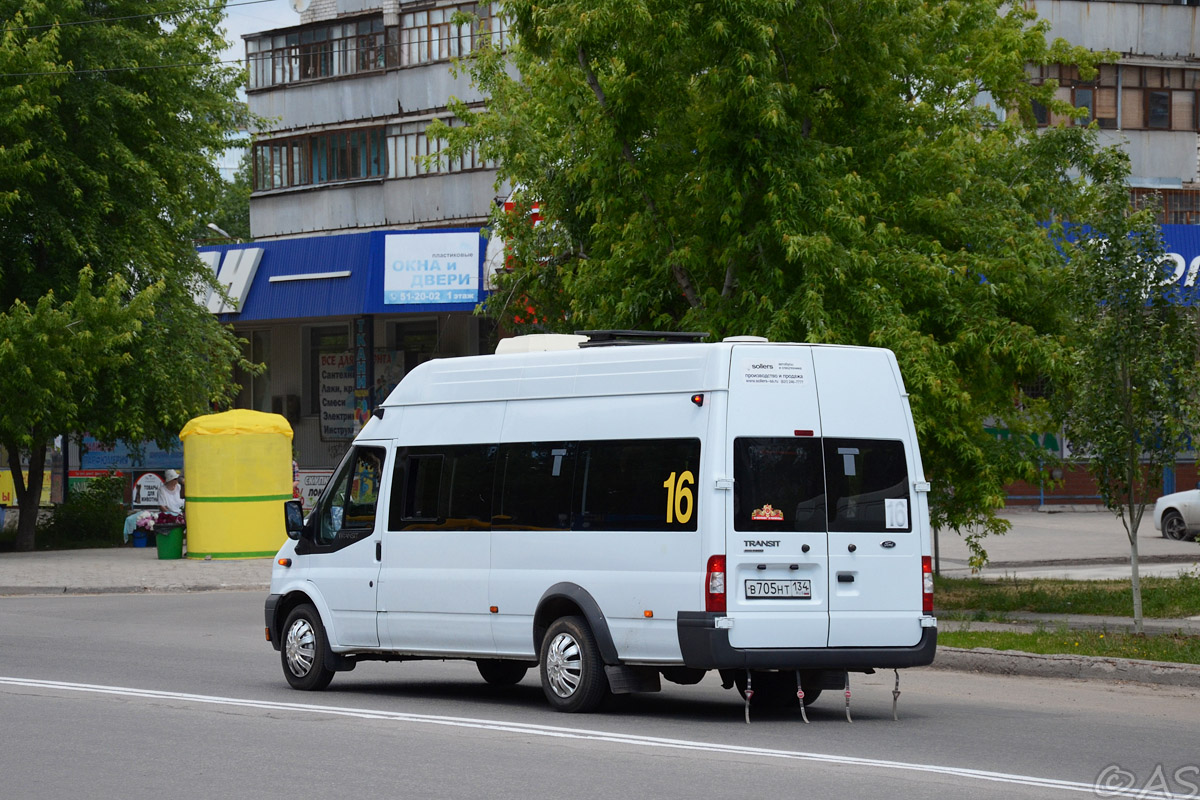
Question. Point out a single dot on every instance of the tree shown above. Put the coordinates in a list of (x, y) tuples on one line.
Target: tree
[(232, 211), (816, 172), (111, 112), (1133, 398)]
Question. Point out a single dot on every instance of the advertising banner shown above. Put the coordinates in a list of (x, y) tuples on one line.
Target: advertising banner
[(336, 393), (312, 483), (8, 492), (421, 268)]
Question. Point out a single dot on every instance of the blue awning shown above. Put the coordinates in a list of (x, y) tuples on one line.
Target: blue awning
[(346, 274)]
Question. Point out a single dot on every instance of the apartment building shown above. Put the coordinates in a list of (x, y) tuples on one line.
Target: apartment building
[(364, 260)]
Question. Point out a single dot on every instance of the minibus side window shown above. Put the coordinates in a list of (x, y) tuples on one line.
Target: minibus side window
[(347, 509), (444, 488), (867, 481), (779, 485), (637, 485), (534, 483), (424, 485)]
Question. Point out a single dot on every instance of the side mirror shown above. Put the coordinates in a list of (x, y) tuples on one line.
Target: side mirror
[(293, 518)]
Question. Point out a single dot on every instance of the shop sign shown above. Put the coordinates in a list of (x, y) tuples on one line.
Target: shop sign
[(438, 268)]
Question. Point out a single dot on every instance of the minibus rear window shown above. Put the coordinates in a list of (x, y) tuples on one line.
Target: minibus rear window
[(868, 485), (779, 485)]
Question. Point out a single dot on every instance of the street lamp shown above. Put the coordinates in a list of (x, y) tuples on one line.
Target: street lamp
[(226, 234)]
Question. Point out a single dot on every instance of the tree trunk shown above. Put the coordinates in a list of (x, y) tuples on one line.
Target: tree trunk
[(29, 494), (1137, 581)]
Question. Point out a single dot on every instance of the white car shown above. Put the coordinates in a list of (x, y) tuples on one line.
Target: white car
[(1178, 515)]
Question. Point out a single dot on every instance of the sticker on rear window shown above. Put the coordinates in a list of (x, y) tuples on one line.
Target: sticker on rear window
[(767, 512), (897, 513)]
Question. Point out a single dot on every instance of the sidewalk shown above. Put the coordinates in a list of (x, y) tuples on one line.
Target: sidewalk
[(1075, 544), (124, 570)]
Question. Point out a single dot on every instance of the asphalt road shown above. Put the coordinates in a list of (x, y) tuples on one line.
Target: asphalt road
[(179, 696)]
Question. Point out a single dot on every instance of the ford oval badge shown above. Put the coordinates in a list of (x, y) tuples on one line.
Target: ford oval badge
[(888, 544)]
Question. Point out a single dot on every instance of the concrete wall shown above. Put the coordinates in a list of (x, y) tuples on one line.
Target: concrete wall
[(1151, 29), (459, 199), (339, 102), (1157, 158)]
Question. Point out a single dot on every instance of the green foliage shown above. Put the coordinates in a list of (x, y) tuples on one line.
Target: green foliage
[(232, 211), (1133, 399), (93, 516), (805, 172), (108, 131)]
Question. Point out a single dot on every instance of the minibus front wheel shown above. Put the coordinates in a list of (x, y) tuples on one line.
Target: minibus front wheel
[(572, 672), (303, 650)]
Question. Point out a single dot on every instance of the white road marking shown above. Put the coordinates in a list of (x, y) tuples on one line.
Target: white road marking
[(593, 735)]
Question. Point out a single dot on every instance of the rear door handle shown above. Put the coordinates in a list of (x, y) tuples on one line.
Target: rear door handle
[(379, 551), (844, 578)]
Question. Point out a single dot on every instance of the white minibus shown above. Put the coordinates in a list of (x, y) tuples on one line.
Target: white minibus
[(618, 508)]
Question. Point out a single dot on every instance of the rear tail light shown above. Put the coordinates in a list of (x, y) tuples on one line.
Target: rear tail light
[(714, 584), (927, 584)]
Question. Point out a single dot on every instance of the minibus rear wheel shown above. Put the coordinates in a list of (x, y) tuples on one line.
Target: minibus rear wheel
[(501, 673), (303, 650), (573, 678)]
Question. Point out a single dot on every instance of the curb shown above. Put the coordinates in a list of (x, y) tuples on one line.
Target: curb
[(1017, 662), (1102, 561), (27, 591)]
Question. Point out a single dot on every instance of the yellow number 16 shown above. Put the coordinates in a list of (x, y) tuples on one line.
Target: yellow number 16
[(679, 497)]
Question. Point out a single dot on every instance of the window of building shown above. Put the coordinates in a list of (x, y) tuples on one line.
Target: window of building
[(316, 52), (416, 341), (325, 51), (256, 389), (320, 158), (431, 35), (325, 344), (1140, 98), (408, 144), (1178, 206)]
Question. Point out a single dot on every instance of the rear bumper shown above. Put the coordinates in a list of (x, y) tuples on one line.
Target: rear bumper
[(705, 646)]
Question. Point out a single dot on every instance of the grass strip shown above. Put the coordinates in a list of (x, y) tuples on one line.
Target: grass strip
[(1161, 647), (1161, 597)]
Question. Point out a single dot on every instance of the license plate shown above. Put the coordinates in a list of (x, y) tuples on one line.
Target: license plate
[(785, 590)]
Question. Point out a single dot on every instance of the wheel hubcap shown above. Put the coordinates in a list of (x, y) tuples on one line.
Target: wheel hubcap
[(564, 667), (1175, 528), (300, 647)]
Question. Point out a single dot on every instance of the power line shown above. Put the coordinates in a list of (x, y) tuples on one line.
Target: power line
[(98, 20), (106, 70)]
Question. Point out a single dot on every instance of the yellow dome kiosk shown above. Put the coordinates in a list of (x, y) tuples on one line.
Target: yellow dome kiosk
[(238, 471)]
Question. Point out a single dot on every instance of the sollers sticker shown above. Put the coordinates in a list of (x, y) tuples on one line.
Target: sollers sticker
[(767, 513)]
